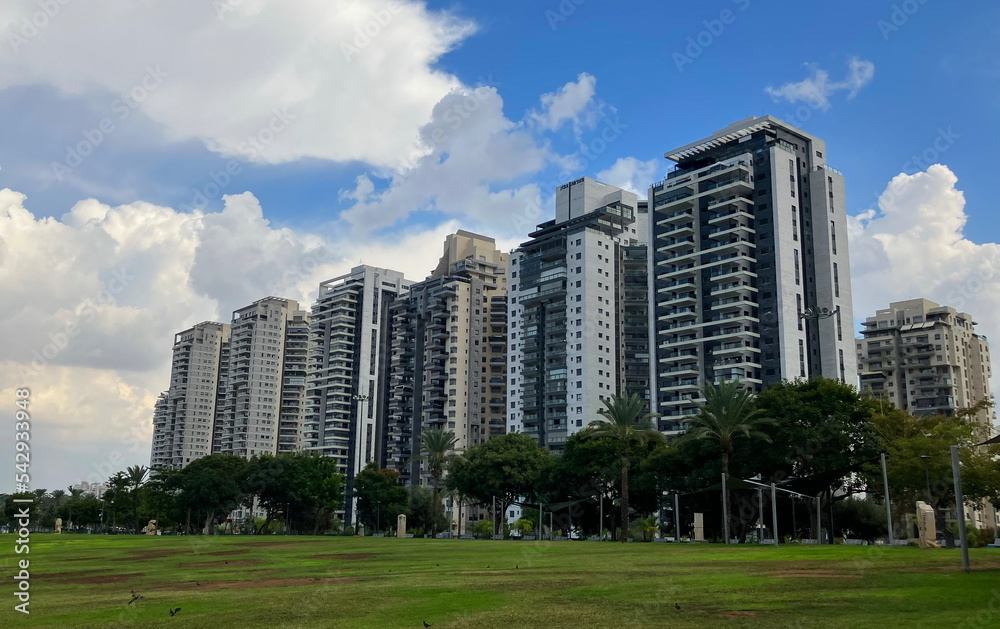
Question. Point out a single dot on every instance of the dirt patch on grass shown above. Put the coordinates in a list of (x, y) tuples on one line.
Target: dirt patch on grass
[(100, 578), (272, 583), (57, 575), (734, 615), (145, 555), (813, 574), (83, 559), (346, 556), (238, 551), (235, 563)]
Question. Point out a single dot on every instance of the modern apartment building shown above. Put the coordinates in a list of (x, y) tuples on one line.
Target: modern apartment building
[(264, 347), (346, 391), (578, 312), (925, 358), (184, 416), (749, 235), (448, 354)]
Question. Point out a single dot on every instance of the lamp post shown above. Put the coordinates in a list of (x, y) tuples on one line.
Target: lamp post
[(349, 491), (927, 477)]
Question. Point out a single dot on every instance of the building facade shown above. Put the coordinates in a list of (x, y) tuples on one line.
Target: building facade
[(925, 358), (578, 312), (184, 416), (259, 356), (346, 388), (448, 354), (749, 237)]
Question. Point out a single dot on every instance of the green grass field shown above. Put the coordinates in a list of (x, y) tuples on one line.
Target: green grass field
[(242, 582)]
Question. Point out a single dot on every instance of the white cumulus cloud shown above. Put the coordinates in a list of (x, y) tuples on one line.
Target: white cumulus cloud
[(914, 245), (817, 89), (265, 80)]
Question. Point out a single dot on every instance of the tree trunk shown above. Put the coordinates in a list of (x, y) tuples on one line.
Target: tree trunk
[(725, 515), (208, 523), (187, 526), (624, 498)]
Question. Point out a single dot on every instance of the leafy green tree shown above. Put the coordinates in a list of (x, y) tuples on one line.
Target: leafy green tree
[(483, 529), (507, 467), (436, 446), (84, 510), (860, 519), (626, 425), (322, 490), (919, 460), (424, 513), (11, 508), (587, 469), (211, 486), (379, 495)]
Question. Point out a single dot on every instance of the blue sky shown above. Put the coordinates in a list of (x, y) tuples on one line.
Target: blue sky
[(445, 116), (938, 70)]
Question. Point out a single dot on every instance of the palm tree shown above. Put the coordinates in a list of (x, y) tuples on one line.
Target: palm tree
[(729, 413), (625, 424), (135, 476), (435, 446)]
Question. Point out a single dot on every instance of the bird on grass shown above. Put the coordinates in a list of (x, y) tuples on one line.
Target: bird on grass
[(515, 566), (426, 625), (135, 597), (438, 565), (677, 606), (173, 612)]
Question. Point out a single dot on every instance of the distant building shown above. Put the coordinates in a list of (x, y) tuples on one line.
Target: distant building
[(448, 362), (92, 489), (265, 344), (184, 415), (578, 312), (346, 392), (925, 358)]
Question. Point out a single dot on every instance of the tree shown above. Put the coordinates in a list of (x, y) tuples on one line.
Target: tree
[(919, 459), (379, 494), (436, 445), (425, 515), (625, 424), (506, 467), (84, 510), (728, 414), (135, 476), (322, 490), (211, 486), (588, 470), (823, 438)]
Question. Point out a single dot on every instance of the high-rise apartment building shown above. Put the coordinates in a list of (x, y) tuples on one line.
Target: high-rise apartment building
[(448, 353), (750, 244), (925, 358), (261, 352), (184, 416), (346, 390), (578, 312)]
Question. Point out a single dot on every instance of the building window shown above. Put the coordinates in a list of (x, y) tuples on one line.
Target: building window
[(836, 280), (833, 236)]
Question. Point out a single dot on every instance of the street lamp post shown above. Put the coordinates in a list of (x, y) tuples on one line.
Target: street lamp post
[(927, 477), (349, 491)]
